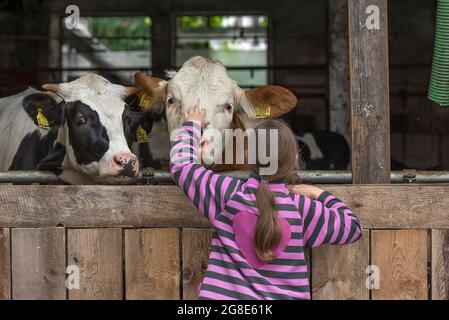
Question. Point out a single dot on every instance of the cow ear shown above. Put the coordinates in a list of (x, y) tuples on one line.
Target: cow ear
[(270, 101), (43, 110), (152, 92)]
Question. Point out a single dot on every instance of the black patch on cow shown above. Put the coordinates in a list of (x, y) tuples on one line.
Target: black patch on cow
[(87, 135), (51, 110), (334, 147), (132, 120), (33, 148), (53, 160)]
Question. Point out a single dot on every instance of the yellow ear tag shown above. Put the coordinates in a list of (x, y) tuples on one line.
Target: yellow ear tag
[(42, 121), (141, 135), (145, 100), (262, 112)]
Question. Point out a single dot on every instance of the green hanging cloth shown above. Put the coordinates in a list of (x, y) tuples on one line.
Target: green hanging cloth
[(439, 79)]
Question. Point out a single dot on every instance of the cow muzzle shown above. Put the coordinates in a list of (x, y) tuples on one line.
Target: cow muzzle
[(125, 165)]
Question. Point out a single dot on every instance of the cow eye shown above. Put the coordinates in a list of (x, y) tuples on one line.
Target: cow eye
[(170, 101), (228, 107), (81, 121)]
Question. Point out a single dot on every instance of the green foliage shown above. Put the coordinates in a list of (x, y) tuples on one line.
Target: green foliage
[(130, 33), (193, 22)]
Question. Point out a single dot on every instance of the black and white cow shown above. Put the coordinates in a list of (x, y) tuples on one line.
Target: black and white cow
[(324, 150), (76, 130)]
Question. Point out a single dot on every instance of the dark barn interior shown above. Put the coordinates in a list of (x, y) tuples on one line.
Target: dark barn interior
[(301, 45)]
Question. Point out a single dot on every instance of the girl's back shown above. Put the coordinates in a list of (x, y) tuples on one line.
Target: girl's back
[(260, 228)]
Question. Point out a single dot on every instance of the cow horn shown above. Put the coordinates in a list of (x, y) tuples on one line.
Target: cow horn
[(56, 88), (130, 90)]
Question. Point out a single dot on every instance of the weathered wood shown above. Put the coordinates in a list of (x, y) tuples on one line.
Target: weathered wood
[(339, 111), (414, 206), (338, 272), (401, 256), (38, 260), (98, 254), (195, 252), (368, 56), (152, 265), (440, 264), (5, 264)]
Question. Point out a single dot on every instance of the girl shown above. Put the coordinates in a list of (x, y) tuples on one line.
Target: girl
[(260, 228)]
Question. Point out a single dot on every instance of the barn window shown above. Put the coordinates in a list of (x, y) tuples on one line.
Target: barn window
[(114, 47), (239, 41)]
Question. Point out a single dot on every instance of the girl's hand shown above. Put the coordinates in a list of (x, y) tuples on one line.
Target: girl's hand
[(307, 190), (195, 114)]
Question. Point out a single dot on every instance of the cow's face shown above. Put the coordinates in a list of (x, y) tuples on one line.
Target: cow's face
[(205, 82), (95, 140)]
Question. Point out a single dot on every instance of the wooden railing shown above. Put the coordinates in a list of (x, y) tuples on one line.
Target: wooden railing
[(149, 242)]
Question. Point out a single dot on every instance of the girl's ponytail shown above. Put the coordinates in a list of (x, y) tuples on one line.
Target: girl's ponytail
[(268, 230)]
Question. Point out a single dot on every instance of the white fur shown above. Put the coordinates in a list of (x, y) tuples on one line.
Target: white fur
[(309, 141)]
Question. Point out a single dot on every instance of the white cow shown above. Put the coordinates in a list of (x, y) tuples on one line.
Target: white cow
[(205, 82)]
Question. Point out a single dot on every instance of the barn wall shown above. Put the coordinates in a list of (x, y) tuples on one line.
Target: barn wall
[(420, 137)]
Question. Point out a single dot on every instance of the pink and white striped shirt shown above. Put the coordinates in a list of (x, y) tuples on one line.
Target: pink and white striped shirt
[(234, 271)]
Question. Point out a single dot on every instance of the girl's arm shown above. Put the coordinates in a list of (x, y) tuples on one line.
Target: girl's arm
[(208, 191), (326, 220)]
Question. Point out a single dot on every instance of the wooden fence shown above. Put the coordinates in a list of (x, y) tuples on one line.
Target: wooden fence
[(149, 242)]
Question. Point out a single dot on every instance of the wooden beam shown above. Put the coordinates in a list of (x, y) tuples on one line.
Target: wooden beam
[(369, 82), (378, 206), (152, 264), (338, 56), (440, 264), (38, 260), (338, 272), (195, 251), (401, 256), (98, 254), (5, 264)]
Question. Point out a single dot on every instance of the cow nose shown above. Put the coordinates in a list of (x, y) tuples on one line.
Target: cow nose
[(126, 164)]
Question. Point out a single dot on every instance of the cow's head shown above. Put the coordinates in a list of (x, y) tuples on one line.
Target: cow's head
[(205, 82), (91, 143)]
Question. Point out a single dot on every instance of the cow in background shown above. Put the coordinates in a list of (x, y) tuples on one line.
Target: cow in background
[(206, 83), (75, 129)]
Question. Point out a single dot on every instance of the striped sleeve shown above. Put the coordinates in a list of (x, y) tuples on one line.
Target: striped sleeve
[(208, 191), (328, 221)]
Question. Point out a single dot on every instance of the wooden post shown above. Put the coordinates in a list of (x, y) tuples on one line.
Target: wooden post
[(338, 57), (370, 109), (5, 264), (160, 44)]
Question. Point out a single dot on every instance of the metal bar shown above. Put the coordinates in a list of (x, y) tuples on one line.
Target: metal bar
[(150, 176), (28, 176)]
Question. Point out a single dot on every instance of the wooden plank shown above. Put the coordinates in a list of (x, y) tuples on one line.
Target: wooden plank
[(5, 264), (195, 252), (339, 111), (338, 272), (440, 264), (38, 259), (414, 206), (401, 256), (152, 265), (98, 254), (369, 83)]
